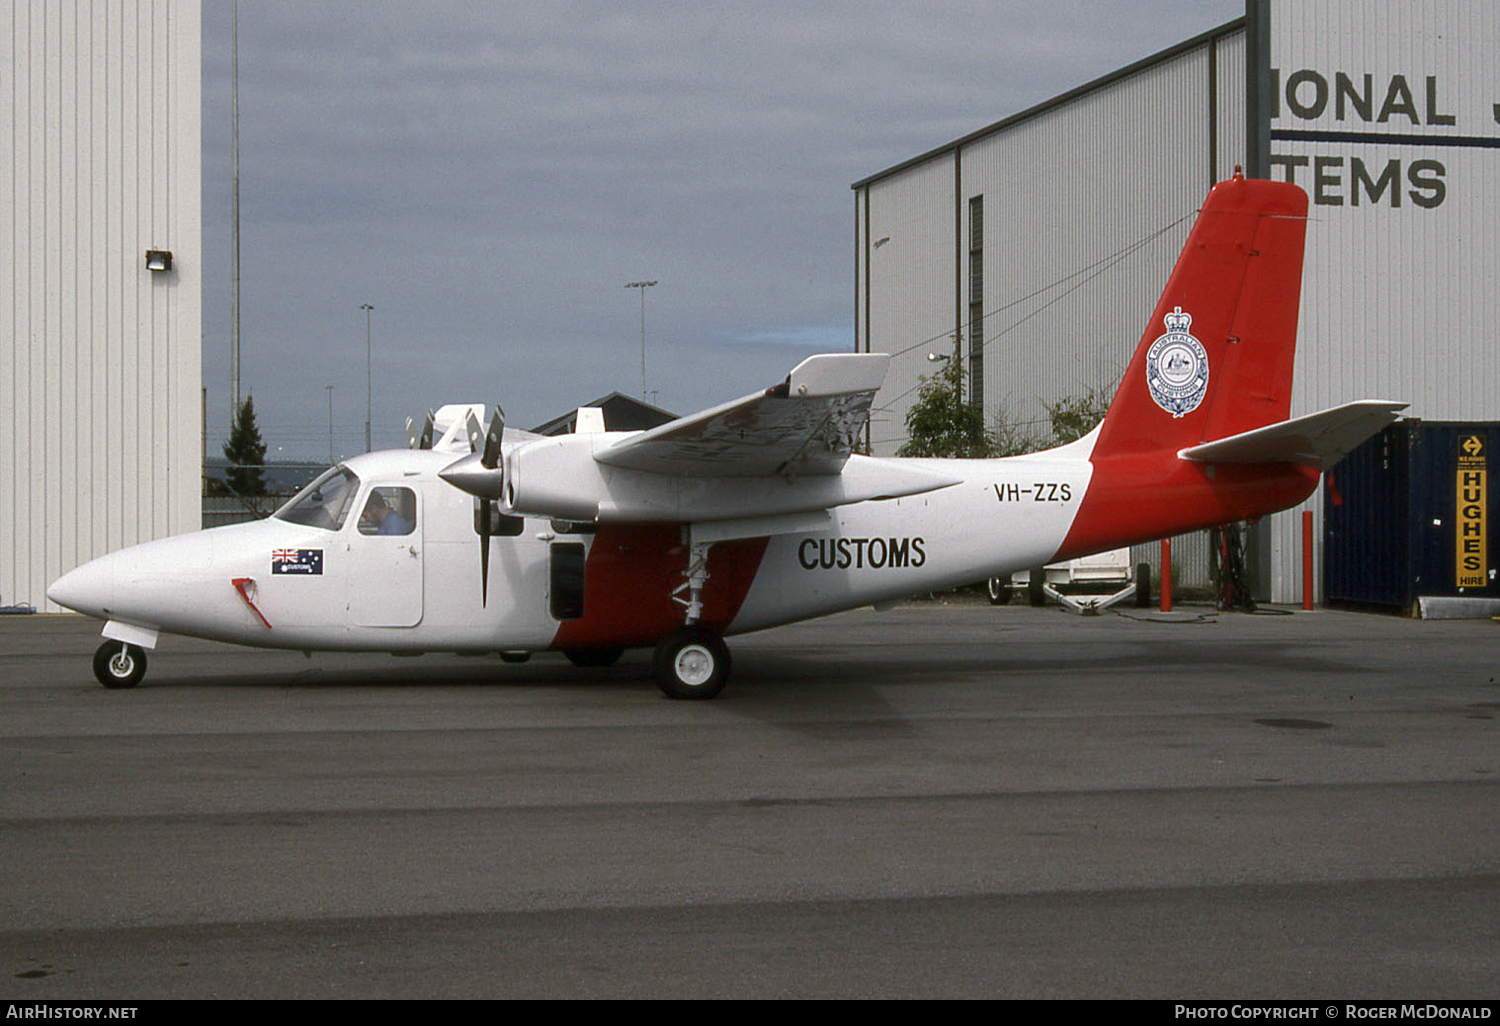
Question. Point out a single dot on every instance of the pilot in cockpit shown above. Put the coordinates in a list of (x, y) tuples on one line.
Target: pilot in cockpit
[(380, 518)]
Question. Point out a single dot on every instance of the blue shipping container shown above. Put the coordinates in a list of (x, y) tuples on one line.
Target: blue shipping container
[(1410, 513)]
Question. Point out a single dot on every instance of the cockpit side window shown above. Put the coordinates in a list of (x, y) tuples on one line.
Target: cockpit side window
[(390, 511), (324, 503)]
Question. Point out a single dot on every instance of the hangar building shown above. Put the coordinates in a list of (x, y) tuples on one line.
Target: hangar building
[(100, 326), (1033, 249)]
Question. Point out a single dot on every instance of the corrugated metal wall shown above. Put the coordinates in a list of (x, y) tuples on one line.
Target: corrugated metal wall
[(100, 358), (1087, 202), (1399, 298), (909, 272), (1071, 196)]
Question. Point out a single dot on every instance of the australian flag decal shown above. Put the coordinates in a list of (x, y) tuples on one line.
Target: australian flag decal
[(297, 561)]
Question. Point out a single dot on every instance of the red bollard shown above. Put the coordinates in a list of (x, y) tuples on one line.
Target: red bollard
[(1307, 559), (1166, 575)]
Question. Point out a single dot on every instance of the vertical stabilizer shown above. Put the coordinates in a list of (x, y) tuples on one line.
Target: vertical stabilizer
[(1216, 357), (1215, 361)]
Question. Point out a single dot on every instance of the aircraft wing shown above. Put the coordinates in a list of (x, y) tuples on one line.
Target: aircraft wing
[(1318, 439), (807, 425)]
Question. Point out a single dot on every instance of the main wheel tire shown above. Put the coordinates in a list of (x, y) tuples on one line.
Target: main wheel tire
[(998, 590), (592, 657), (118, 665), (1034, 591), (1143, 585), (691, 662)]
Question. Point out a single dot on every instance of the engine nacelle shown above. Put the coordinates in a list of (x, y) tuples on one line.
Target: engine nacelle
[(555, 477)]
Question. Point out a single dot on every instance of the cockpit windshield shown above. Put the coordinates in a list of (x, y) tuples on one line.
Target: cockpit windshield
[(324, 503)]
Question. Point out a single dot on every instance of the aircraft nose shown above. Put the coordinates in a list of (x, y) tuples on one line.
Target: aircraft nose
[(138, 583), (87, 590)]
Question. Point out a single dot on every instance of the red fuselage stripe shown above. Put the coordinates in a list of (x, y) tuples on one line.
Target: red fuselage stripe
[(629, 578), (1137, 499)]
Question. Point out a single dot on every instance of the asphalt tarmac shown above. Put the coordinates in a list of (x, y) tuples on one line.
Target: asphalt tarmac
[(939, 800)]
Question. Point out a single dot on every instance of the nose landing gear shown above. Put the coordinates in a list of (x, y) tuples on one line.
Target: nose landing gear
[(119, 665)]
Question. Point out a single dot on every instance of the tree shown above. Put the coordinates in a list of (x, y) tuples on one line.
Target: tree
[(1074, 416), (246, 453), (941, 423)]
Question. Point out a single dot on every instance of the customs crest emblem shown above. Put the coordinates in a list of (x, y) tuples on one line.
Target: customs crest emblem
[(1177, 367)]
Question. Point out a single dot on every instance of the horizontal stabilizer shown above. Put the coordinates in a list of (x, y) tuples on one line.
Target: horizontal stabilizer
[(807, 425), (1317, 440)]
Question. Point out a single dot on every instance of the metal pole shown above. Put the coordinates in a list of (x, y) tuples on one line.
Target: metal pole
[(643, 286), (234, 290), (330, 424), (1166, 575), (1307, 559), (367, 308)]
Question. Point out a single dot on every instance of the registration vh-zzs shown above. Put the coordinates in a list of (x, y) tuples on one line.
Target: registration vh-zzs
[(754, 513)]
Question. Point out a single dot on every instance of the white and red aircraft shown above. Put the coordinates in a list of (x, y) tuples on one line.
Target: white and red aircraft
[(755, 513)]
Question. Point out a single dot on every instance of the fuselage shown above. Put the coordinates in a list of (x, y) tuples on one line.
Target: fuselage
[(334, 582)]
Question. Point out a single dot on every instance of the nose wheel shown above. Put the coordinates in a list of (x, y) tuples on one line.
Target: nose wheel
[(118, 665), (692, 662)]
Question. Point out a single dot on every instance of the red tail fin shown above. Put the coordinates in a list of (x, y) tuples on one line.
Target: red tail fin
[(1216, 358)]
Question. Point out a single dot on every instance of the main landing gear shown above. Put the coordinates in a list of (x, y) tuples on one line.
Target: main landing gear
[(118, 665), (692, 661)]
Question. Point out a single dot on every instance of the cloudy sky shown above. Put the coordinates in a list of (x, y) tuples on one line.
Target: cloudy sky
[(490, 175)]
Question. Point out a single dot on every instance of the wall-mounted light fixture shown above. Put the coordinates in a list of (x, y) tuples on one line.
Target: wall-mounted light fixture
[(158, 259)]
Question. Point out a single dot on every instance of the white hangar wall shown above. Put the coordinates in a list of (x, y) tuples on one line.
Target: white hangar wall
[(1083, 206), (100, 358), (1047, 331), (1387, 115)]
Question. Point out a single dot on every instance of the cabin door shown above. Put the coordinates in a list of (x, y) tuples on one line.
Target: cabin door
[(385, 559)]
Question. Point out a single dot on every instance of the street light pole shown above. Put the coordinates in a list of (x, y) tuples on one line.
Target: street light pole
[(234, 252), (643, 286), (367, 308)]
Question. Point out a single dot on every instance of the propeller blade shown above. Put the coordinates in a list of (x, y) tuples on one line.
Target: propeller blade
[(484, 552), (428, 426), (489, 459), (481, 474), (411, 433), (492, 438)]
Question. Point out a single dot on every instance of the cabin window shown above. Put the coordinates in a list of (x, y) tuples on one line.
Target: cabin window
[(501, 525), (324, 503), (389, 511), (567, 581)]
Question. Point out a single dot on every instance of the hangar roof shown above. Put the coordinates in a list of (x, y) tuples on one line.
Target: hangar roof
[(1058, 101)]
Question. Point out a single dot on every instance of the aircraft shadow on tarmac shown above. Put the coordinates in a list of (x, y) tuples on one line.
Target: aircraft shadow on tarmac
[(825, 668)]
